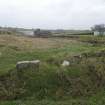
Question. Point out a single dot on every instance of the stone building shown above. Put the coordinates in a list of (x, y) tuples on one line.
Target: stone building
[(42, 33)]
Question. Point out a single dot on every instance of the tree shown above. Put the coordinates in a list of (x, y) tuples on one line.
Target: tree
[(100, 28)]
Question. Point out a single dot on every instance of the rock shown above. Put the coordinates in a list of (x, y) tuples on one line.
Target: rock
[(65, 63), (28, 64)]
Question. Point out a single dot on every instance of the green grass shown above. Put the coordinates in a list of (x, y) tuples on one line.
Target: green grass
[(96, 100), (90, 38), (9, 57), (45, 87)]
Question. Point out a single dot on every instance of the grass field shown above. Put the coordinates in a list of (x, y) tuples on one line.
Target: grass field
[(44, 87), (14, 48)]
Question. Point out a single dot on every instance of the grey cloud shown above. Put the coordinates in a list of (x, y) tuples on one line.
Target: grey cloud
[(52, 13)]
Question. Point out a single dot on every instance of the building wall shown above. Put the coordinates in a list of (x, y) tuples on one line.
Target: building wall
[(96, 33)]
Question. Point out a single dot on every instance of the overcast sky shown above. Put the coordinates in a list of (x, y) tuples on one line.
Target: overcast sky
[(52, 14)]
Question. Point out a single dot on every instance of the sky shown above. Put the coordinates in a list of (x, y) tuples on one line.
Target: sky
[(52, 14)]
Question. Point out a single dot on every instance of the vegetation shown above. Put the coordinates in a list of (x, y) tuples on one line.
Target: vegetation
[(99, 28), (82, 83)]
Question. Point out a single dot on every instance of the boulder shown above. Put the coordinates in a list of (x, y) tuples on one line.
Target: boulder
[(65, 63), (22, 65)]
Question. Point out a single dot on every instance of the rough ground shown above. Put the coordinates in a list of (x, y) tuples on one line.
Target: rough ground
[(82, 83)]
